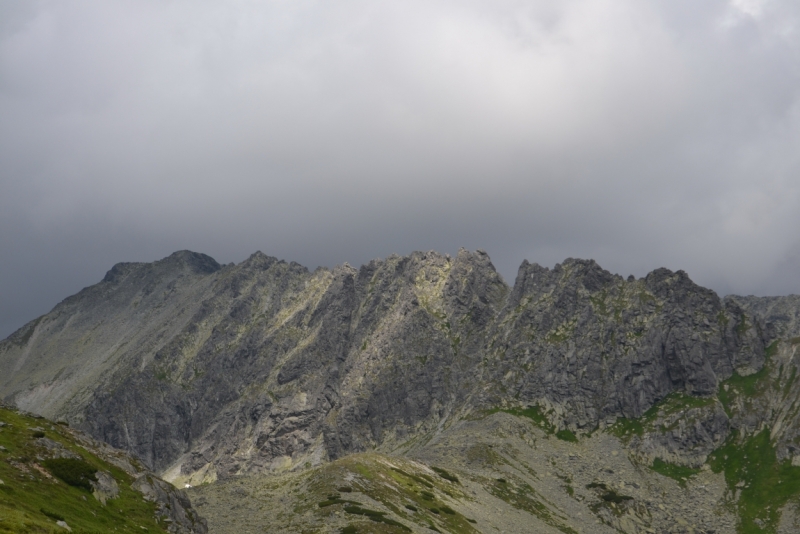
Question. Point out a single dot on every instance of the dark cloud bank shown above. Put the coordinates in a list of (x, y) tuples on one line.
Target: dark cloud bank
[(640, 134)]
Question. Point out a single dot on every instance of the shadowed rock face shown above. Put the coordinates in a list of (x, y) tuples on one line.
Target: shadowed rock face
[(222, 370)]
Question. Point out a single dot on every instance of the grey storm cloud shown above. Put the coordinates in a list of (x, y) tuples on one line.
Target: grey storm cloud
[(640, 134)]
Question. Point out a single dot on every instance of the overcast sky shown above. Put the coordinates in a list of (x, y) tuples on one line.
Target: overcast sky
[(640, 133)]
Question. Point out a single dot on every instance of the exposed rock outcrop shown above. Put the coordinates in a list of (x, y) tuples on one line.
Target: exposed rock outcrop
[(207, 371)]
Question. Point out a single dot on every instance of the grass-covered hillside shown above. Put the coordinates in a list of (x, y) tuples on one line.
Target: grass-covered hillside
[(52, 479)]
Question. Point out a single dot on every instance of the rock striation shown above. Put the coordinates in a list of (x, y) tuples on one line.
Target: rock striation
[(207, 371)]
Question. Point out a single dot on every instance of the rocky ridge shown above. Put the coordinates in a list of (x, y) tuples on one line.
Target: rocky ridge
[(213, 371), (266, 369)]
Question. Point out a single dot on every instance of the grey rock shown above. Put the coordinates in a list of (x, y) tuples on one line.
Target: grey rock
[(105, 487), (174, 507), (779, 315), (56, 449), (206, 372), (684, 437)]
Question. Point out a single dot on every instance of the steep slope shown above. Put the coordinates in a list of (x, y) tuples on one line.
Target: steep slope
[(54, 479), (55, 362), (205, 372)]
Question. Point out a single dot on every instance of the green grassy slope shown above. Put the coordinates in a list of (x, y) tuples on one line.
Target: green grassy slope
[(32, 499)]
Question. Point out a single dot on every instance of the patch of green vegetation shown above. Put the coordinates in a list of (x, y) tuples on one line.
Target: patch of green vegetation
[(411, 507), (673, 403), (742, 326), (795, 341), (534, 413), (345, 489), (74, 472), (749, 386), (567, 435), (625, 429), (771, 350), (427, 495), (415, 478), (674, 471), (374, 515), (363, 471), (446, 475), (37, 434), (751, 466), (37, 493), (349, 529), (677, 402)]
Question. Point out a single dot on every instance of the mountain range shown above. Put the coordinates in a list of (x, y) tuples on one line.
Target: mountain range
[(519, 408)]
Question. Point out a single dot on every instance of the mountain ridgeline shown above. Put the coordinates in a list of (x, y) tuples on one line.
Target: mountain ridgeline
[(206, 371)]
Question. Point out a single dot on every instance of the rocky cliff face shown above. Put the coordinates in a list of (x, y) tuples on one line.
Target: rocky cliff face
[(206, 371), (779, 315)]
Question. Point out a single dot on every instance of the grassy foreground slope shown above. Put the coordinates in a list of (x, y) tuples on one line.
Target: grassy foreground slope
[(53, 479)]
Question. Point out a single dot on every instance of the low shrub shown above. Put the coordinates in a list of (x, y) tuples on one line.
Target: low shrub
[(613, 496), (677, 472), (445, 475), (74, 472), (376, 516), (567, 435)]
